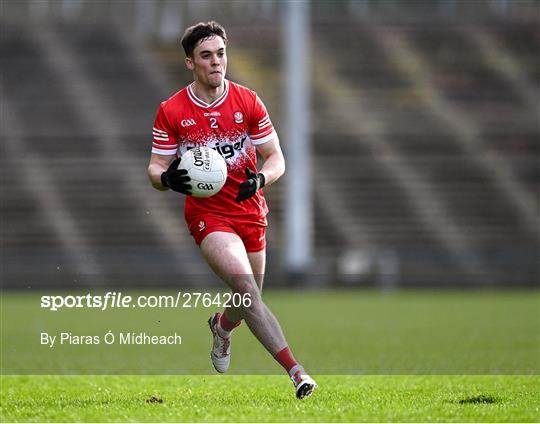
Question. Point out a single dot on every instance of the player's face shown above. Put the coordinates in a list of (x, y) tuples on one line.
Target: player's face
[(209, 62)]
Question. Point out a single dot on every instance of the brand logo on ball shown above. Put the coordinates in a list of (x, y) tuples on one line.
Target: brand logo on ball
[(187, 122), (201, 158), (205, 186), (238, 117)]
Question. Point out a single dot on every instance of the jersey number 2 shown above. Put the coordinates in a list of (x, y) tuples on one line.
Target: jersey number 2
[(213, 123)]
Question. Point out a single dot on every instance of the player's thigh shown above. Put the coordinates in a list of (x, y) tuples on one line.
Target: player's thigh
[(226, 255), (257, 261)]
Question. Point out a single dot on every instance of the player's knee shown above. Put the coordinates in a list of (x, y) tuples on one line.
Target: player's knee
[(245, 285), (248, 289)]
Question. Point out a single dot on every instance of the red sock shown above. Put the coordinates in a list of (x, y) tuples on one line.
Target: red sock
[(286, 359), (226, 324)]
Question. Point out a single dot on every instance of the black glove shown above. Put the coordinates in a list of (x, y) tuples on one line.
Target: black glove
[(176, 179), (251, 186)]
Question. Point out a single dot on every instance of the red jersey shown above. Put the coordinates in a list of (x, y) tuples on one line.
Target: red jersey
[(232, 124)]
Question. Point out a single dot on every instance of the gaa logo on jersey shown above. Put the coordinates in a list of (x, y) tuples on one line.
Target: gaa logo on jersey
[(238, 117), (187, 122)]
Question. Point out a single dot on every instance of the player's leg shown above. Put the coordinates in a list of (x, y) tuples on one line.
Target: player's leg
[(257, 260), (231, 317), (226, 255), (303, 383)]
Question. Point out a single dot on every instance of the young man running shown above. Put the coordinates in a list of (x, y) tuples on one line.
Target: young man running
[(230, 226)]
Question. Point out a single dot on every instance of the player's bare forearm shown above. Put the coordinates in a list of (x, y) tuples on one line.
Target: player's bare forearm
[(273, 168), (154, 173), (274, 162), (158, 164)]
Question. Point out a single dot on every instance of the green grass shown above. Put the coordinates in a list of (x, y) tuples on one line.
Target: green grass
[(331, 332), (270, 399), (452, 355)]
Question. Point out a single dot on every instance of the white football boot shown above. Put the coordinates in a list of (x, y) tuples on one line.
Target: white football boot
[(303, 383), (221, 347)]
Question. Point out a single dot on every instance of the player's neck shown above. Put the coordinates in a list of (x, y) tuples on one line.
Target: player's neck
[(208, 94)]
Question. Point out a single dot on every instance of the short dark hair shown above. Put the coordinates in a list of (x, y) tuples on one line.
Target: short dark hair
[(201, 31)]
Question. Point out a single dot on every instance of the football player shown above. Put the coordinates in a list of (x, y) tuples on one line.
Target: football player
[(230, 226)]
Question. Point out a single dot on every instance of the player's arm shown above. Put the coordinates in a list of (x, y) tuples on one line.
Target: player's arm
[(157, 166), (273, 168), (274, 162), (164, 174)]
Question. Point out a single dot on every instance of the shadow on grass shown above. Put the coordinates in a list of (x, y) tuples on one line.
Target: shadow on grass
[(479, 399)]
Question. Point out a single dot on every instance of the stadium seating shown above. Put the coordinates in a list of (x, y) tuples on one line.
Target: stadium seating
[(425, 146)]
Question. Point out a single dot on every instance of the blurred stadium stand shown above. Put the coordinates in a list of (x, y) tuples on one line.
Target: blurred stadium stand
[(425, 140)]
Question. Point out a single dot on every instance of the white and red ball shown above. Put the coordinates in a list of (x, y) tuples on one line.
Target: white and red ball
[(207, 170)]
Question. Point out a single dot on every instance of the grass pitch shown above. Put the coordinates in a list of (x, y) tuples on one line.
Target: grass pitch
[(447, 356), (345, 332), (270, 399)]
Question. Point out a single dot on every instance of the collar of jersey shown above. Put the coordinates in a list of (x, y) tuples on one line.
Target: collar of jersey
[(202, 103)]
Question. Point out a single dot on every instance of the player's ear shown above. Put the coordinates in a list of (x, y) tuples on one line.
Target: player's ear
[(189, 63)]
